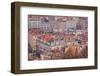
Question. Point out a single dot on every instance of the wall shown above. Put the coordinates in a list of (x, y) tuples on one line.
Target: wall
[(5, 33)]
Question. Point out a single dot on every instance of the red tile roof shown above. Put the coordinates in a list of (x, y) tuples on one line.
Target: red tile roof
[(47, 37)]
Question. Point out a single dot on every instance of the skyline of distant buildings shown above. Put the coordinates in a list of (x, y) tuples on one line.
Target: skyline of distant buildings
[(57, 23)]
